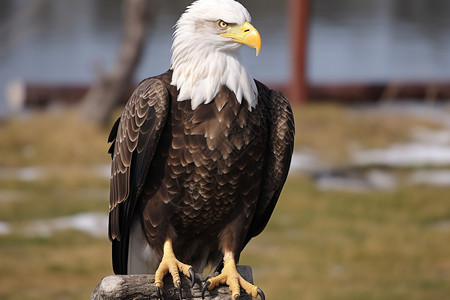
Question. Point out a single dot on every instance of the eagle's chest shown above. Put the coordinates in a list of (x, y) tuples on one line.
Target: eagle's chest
[(215, 158)]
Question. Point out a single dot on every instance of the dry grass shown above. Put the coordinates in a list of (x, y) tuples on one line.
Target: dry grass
[(332, 130), (337, 245), (67, 266), (66, 139), (318, 244), (59, 138)]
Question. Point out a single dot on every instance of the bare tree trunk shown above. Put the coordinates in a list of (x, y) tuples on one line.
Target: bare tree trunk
[(110, 88)]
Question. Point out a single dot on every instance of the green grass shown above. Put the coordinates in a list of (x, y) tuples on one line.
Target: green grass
[(318, 244)]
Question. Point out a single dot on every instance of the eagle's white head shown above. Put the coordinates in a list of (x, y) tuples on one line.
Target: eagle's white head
[(204, 52)]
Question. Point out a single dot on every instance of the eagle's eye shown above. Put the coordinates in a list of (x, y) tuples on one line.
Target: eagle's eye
[(222, 24)]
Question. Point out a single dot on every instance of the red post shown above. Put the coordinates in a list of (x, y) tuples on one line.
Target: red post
[(298, 16)]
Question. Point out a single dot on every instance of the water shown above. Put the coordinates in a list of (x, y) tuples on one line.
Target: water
[(55, 41), (380, 40)]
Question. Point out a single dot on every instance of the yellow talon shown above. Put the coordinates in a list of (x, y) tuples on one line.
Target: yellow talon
[(170, 264), (234, 280)]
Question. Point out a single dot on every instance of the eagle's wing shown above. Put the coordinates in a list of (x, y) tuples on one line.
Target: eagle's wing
[(278, 158), (134, 138)]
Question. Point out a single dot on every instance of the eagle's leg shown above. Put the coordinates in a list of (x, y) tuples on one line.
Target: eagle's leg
[(170, 264), (233, 279)]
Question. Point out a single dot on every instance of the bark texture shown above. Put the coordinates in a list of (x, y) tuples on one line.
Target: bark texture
[(142, 287)]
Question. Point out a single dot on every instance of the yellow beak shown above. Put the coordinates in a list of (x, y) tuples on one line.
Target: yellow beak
[(245, 34)]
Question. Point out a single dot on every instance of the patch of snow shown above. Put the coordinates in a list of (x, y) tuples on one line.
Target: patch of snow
[(427, 148), (356, 181), (431, 177), (404, 155), (342, 184), (306, 161), (5, 228), (33, 173), (94, 224), (380, 180), (435, 137), (23, 174)]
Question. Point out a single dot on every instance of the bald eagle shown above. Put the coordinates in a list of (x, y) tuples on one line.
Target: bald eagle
[(199, 155)]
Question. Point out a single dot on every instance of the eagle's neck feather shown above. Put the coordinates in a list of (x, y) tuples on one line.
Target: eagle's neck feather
[(200, 72)]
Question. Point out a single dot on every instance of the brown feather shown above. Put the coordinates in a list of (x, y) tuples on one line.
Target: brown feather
[(206, 178)]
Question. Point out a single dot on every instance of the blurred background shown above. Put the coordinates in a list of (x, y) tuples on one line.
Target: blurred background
[(365, 213)]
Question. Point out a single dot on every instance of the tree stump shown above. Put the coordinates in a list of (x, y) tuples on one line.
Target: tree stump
[(142, 287)]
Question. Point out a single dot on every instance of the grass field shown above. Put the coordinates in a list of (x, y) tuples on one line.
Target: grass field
[(318, 245)]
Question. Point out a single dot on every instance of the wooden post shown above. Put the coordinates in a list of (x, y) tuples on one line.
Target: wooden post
[(138, 287), (298, 16)]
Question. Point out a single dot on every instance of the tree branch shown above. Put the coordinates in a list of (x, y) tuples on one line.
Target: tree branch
[(108, 90)]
